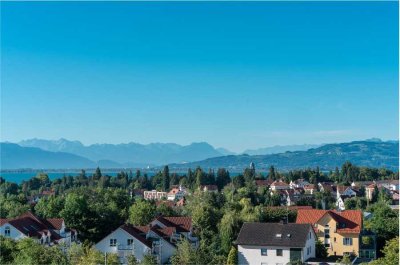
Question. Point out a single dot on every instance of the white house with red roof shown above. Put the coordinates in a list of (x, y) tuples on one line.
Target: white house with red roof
[(176, 193), (44, 231), (279, 185), (159, 238)]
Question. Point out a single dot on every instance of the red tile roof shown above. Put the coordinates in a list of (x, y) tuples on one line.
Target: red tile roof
[(279, 183), (4, 221), (182, 224), (263, 182), (352, 219), (56, 223)]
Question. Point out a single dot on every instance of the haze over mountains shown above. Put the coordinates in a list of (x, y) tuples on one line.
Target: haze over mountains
[(62, 153)]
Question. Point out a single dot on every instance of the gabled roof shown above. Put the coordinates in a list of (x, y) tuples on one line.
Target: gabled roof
[(33, 226), (279, 183), (55, 223), (263, 182), (182, 224), (350, 219), (266, 234), (136, 233)]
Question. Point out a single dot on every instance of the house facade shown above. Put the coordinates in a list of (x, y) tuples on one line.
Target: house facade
[(158, 238), (339, 231), (154, 195), (44, 231), (275, 243)]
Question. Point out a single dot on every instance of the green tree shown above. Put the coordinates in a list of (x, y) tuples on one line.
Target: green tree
[(223, 178), (391, 253), (165, 178), (228, 229), (149, 260), (7, 250), (50, 207), (320, 250), (141, 213), (345, 260), (97, 174), (232, 257), (185, 254)]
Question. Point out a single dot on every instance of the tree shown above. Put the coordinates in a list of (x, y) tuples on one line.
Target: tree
[(97, 174), (232, 257), (271, 174), (132, 260), (223, 178), (165, 178), (141, 213), (185, 254), (345, 260), (228, 230), (320, 250), (7, 250), (49, 207), (149, 259), (391, 251)]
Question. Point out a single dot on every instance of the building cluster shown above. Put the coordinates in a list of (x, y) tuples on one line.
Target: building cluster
[(300, 190), (159, 238), (340, 232)]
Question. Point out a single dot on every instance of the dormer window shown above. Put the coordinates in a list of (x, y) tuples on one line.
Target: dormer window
[(7, 231)]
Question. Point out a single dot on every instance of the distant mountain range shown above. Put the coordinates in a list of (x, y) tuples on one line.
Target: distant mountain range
[(14, 156), (129, 154), (372, 153), (48, 154), (280, 149)]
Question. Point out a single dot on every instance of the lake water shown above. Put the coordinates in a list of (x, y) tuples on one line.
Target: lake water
[(18, 177)]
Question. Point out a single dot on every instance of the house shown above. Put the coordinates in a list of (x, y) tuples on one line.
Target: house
[(159, 238), (176, 193), (209, 188), (263, 183), (275, 243), (44, 231), (279, 185), (339, 231), (310, 188), (44, 194), (154, 195), (137, 193), (299, 183), (388, 184)]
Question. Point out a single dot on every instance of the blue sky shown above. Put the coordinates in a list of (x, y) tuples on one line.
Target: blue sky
[(237, 75)]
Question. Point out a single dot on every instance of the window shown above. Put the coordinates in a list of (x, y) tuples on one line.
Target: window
[(7, 231), (310, 236), (279, 235), (130, 241), (263, 263), (263, 252), (334, 239), (113, 242), (347, 241), (279, 252)]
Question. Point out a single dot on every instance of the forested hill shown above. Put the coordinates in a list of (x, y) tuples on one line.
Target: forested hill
[(327, 157)]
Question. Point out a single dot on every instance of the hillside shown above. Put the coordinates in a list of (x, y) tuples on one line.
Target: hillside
[(14, 156), (327, 157)]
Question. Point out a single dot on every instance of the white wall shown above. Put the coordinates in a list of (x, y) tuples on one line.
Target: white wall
[(14, 233), (252, 255), (309, 243), (122, 236), (167, 249)]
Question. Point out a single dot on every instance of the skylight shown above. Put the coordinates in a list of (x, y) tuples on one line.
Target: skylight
[(279, 235)]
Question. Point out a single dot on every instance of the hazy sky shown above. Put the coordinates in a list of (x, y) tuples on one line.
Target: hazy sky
[(237, 75)]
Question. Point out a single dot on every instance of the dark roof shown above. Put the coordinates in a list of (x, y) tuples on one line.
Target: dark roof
[(136, 233), (181, 223), (265, 234)]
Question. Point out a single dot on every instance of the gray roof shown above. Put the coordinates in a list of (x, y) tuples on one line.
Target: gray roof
[(265, 234)]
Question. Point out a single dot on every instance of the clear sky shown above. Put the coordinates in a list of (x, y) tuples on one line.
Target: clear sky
[(237, 75)]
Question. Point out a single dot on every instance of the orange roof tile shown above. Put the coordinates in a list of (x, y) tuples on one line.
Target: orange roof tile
[(352, 219)]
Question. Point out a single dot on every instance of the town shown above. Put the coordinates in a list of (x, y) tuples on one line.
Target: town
[(296, 217)]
